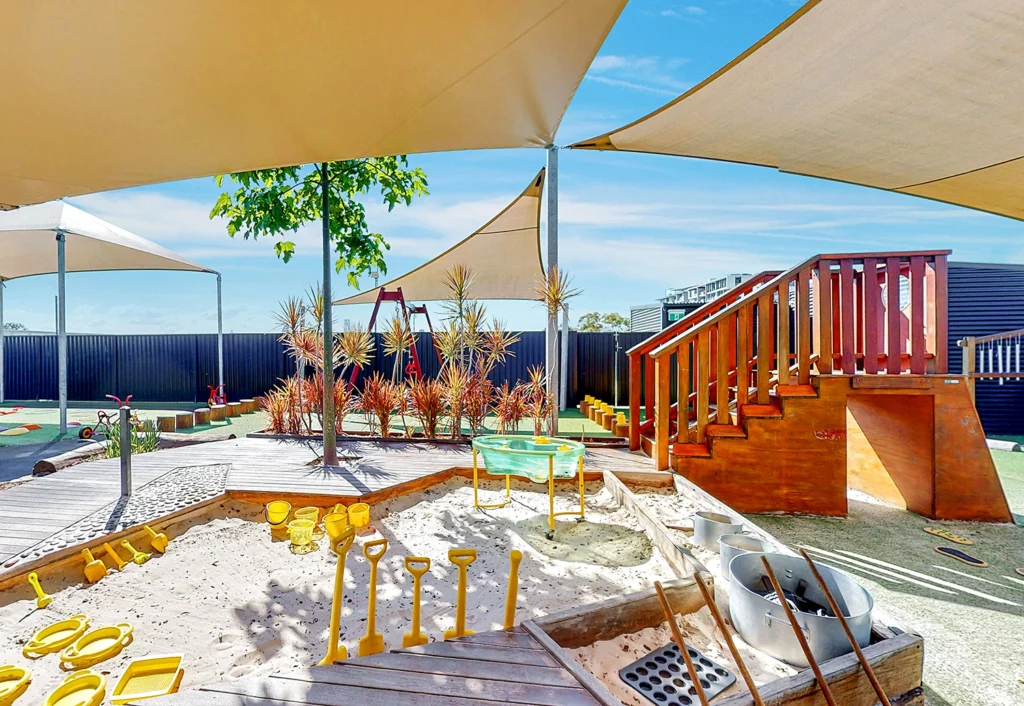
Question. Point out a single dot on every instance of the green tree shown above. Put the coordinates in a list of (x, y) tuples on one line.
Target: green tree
[(594, 322), (271, 203)]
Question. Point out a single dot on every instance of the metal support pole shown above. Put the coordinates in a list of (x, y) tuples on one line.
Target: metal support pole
[(330, 438), (552, 267), (1, 339), (125, 424), (220, 334), (62, 337), (616, 383), (563, 388)]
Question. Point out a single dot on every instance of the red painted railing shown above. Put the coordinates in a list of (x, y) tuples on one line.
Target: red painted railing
[(782, 334), (640, 355)]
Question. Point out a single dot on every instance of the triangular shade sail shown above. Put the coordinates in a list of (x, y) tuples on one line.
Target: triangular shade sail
[(27, 244), (924, 97), (108, 94), (504, 255)]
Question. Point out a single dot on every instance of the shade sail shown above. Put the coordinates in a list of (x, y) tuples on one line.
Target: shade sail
[(504, 255), (923, 97), (110, 94), (27, 244)]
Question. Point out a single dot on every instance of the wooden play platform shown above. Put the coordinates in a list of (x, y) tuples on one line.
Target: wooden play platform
[(793, 386)]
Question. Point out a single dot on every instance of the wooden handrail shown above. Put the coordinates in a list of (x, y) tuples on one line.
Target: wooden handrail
[(705, 309), (992, 337)]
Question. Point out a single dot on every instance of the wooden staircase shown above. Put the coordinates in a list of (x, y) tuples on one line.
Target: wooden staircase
[(790, 351)]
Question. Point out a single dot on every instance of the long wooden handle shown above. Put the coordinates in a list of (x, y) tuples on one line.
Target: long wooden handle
[(879, 691), (678, 636), (798, 631), (710, 601)]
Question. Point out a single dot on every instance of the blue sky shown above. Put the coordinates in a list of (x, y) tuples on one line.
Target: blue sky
[(631, 225)]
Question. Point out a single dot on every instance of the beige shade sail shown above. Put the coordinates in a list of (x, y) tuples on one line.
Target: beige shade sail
[(923, 97), (109, 94), (504, 255), (28, 247)]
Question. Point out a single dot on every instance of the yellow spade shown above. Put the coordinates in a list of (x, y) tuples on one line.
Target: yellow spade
[(121, 563), (157, 540), (341, 546), (94, 568), (43, 599), (137, 556), (417, 566), (513, 589), (462, 558), (372, 643)]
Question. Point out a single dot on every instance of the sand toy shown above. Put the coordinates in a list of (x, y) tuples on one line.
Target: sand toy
[(301, 534), (512, 595), (962, 556), (157, 540), (372, 642), (13, 682), (462, 558), (138, 557), (83, 688), (96, 646), (118, 561), (539, 458), (335, 651), (43, 599), (359, 515), (277, 512), (947, 535), (94, 568), (313, 515), (335, 524), (148, 678), (55, 637), (417, 566)]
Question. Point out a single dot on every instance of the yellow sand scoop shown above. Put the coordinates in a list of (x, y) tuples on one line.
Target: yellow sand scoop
[(138, 557), (94, 568), (157, 540), (43, 599)]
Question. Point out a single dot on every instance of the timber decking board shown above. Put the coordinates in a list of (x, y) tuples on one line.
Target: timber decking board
[(428, 664)]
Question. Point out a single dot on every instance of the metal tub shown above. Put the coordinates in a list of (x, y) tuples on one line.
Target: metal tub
[(709, 526), (732, 545), (763, 623)]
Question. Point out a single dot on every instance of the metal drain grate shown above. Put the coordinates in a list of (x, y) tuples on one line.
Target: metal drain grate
[(662, 678)]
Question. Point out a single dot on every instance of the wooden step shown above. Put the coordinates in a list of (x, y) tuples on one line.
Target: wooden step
[(725, 431), (786, 391), (691, 450), (762, 411)]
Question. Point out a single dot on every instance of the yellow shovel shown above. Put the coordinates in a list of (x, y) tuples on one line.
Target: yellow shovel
[(341, 546), (137, 556), (513, 589), (157, 540), (417, 566), (94, 568), (372, 642), (43, 599), (462, 558), (121, 563)]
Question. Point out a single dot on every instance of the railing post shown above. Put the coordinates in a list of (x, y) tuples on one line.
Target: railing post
[(872, 307), (847, 318), (662, 375), (893, 343), (764, 346), (724, 330), (968, 363), (823, 315), (783, 329), (703, 363), (649, 385), (634, 402), (684, 375), (803, 326), (941, 321)]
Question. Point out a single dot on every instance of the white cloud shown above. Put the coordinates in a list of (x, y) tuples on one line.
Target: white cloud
[(651, 74)]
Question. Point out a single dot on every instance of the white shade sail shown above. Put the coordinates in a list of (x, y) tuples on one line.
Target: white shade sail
[(504, 255), (922, 97), (27, 244), (109, 94)]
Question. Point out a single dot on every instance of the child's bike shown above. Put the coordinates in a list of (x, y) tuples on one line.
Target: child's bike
[(105, 421), (217, 395)]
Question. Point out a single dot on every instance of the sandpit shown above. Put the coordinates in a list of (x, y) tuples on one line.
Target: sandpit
[(236, 603), (604, 659)]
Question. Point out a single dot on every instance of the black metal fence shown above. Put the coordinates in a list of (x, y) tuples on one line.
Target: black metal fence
[(180, 367)]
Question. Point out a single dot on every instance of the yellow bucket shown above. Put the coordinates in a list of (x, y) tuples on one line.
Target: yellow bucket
[(277, 512), (359, 515), (301, 532), (335, 524), (308, 513)]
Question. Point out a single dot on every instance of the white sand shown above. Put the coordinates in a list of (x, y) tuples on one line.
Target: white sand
[(606, 658), (236, 603)]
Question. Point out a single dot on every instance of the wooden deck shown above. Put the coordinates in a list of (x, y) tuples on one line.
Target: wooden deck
[(32, 513), (480, 670)]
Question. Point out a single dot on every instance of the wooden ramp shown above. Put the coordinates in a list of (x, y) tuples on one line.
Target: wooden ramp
[(480, 670)]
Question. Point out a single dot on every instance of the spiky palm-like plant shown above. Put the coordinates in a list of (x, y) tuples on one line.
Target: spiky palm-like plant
[(427, 398), (455, 380), (398, 340), (355, 347), (382, 399), (554, 290), (510, 407)]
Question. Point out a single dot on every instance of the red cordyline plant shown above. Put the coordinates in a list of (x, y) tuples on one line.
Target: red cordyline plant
[(510, 407), (382, 399), (427, 398), (538, 401), (477, 401)]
